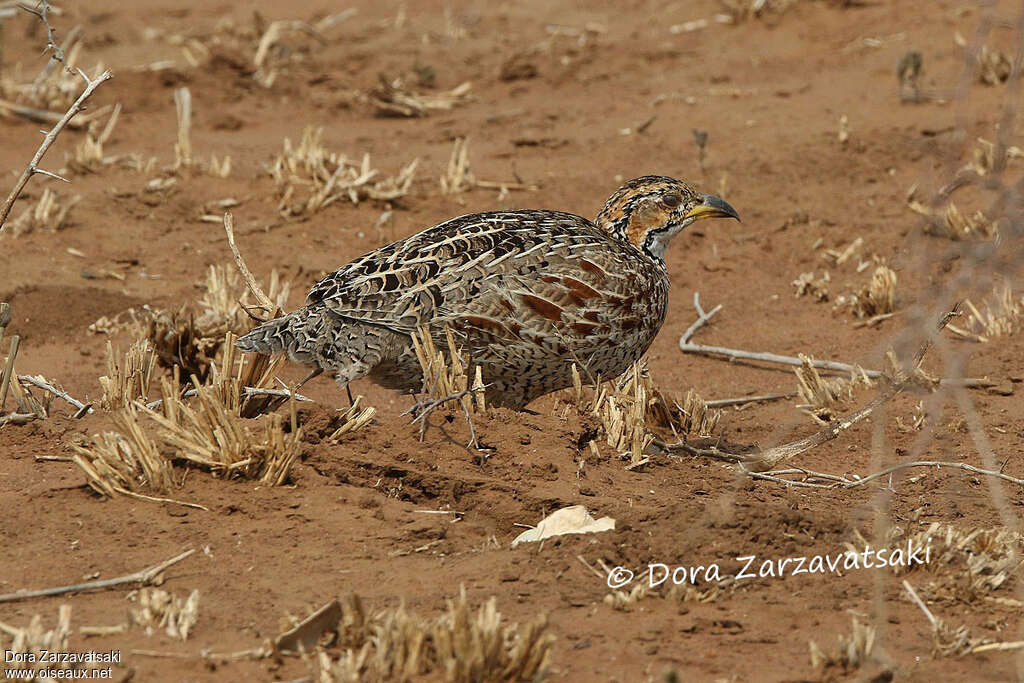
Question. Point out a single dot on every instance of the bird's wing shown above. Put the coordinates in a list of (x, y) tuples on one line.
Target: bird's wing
[(497, 273)]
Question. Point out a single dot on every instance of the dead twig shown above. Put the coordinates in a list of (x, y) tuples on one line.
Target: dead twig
[(773, 456), (261, 299), (43, 11), (157, 499), (246, 391), (17, 418), (40, 115), (42, 384), (686, 346), (744, 400), (838, 481), (5, 378), (769, 459), (51, 137), (143, 577), (423, 408)]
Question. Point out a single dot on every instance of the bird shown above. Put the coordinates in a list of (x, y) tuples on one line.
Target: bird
[(526, 293)]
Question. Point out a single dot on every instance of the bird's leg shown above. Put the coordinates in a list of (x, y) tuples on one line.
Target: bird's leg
[(351, 401), (311, 375)]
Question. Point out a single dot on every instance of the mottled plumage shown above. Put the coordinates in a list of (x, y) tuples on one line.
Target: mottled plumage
[(528, 293)]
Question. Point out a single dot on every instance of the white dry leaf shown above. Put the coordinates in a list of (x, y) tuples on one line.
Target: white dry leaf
[(571, 520)]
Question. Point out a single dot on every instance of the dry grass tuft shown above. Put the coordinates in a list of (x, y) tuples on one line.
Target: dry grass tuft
[(209, 435), (461, 646), (392, 98), (807, 285), (623, 601), (1001, 317), (743, 10), (310, 178), (49, 214), (37, 639), (984, 159), (823, 397), (969, 564), (178, 340), (89, 156), (445, 379), (622, 410), (691, 417), (210, 431), (129, 379), (226, 300), (447, 375), (157, 609), (633, 407), (853, 651), (184, 159), (353, 418), (127, 459), (915, 421), (188, 338), (213, 436), (952, 224), (994, 66), (877, 297), (25, 401), (952, 641), (458, 176), (27, 406), (252, 371)]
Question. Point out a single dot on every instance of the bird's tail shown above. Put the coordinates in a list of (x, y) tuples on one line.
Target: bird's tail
[(271, 337)]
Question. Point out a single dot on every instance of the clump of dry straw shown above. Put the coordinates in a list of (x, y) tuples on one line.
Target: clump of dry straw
[(633, 407), (310, 178), (462, 646)]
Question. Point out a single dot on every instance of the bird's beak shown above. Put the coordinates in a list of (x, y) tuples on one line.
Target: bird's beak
[(712, 207)]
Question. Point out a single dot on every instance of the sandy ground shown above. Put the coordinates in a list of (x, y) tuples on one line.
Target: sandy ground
[(613, 93)]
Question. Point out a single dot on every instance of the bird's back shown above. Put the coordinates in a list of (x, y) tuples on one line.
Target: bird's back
[(527, 293)]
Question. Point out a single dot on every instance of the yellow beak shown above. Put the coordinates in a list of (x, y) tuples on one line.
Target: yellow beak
[(712, 207)]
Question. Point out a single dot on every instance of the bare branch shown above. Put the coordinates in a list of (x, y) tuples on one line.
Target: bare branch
[(51, 137), (142, 578), (262, 299), (42, 384), (744, 400), (686, 346), (848, 483)]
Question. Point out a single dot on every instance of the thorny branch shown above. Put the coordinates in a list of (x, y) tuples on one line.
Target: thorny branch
[(42, 11), (33, 166)]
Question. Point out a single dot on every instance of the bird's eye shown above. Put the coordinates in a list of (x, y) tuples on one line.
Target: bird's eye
[(672, 201)]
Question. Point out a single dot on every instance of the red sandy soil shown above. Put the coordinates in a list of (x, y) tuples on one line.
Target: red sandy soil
[(770, 93)]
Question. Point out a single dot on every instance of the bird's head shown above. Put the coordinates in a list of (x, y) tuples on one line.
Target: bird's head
[(649, 211)]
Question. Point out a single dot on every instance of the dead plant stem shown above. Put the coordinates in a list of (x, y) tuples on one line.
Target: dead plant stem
[(143, 577)]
